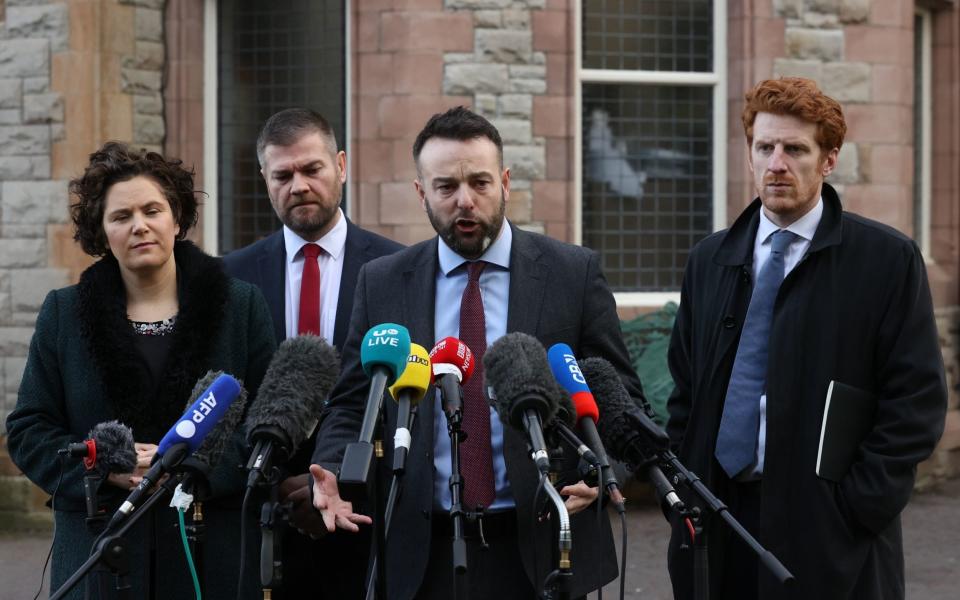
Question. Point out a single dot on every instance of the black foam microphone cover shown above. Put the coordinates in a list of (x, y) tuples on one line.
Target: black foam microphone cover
[(301, 375), (516, 367), (115, 450), (626, 432)]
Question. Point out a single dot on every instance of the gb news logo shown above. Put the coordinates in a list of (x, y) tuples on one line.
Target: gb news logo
[(187, 428)]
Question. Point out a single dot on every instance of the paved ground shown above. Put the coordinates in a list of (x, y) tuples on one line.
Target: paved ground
[(930, 525)]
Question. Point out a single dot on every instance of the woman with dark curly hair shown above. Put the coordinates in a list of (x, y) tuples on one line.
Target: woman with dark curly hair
[(128, 342)]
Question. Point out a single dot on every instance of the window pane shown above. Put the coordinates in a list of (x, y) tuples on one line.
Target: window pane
[(270, 56), (647, 180), (648, 35)]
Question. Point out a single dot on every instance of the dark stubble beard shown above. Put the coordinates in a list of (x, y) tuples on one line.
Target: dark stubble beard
[(309, 227), (469, 248)]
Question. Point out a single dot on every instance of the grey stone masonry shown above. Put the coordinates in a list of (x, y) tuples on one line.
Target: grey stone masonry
[(24, 58), (22, 253), (141, 74), (11, 93), (815, 39), (820, 44), (503, 74), (46, 21), (34, 202), (32, 115)]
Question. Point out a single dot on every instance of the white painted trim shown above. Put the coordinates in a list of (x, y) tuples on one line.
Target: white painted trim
[(926, 132), (717, 79), (720, 116), (645, 299), (210, 137), (649, 77), (348, 106), (577, 213)]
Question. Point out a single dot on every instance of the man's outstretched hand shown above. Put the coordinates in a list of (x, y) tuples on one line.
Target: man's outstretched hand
[(336, 512)]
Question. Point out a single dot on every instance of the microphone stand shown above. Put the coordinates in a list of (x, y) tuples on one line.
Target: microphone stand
[(407, 415), (460, 587), (694, 521), (112, 549), (557, 583)]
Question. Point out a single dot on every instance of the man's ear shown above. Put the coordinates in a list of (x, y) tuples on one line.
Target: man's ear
[(830, 162), (421, 193)]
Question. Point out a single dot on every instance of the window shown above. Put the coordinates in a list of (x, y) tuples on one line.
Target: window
[(922, 147), (652, 172), (268, 56)]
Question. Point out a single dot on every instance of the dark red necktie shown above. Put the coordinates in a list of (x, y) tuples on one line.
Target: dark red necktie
[(309, 321), (477, 455)]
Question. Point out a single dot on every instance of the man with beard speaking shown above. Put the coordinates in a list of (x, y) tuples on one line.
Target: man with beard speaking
[(478, 280)]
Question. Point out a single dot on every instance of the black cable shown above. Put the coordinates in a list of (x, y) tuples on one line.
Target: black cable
[(600, 517), (53, 508), (243, 538), (623, 554)]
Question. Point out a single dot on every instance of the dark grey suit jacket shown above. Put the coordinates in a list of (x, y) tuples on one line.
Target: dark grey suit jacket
[(557, 294)]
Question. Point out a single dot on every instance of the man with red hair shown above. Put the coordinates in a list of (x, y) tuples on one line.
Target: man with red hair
[(796, 298)]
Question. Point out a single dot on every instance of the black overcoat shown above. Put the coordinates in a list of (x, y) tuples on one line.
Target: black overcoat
[(856, 309)]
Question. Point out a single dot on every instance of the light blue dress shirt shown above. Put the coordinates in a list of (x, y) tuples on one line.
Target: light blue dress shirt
[(495, 291)]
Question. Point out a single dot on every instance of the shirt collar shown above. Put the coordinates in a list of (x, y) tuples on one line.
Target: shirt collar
[(332, 243), (803, 227), (498, 253)]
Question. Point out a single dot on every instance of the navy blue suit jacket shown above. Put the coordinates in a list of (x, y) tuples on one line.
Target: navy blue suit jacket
[(263, 264)]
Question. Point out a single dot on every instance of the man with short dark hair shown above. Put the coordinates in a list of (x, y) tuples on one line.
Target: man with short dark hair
[(508, 280), (796, 298), (307, 272)]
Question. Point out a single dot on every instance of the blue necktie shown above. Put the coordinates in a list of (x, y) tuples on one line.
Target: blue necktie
[(740, 423)]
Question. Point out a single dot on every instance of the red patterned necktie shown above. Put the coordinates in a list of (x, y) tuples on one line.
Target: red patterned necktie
[(476, 453), (309, 320)]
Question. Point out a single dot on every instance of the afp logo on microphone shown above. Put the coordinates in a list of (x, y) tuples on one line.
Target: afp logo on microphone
[(187, 428)]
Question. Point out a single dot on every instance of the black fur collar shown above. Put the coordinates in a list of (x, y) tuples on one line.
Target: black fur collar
[(202, 287)]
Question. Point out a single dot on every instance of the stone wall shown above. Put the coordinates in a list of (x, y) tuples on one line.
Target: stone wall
[(31, 199), (506, 59), (73, 75)]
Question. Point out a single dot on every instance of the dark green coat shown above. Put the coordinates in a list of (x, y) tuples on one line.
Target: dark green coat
[(83, 369)]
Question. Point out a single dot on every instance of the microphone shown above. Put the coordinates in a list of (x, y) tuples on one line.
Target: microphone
[(289, 402), (633, 438), (199, 465), (515, 366), (108, 449), (452, 363), (407, 391), (183, 438), (383, 355), (570, 377)]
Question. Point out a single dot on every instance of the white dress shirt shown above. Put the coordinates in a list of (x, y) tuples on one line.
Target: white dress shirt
[(331, 269)]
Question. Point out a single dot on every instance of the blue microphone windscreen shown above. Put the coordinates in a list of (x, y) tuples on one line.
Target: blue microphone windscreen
[(386, 345), (202, 415)]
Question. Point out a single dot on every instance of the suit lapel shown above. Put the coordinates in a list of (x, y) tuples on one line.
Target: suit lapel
[(272, 273), (354, 257), (528, 281)]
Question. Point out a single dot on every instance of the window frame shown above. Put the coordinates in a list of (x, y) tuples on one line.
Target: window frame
[(717, 79), (922, 230), (210, 208)]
